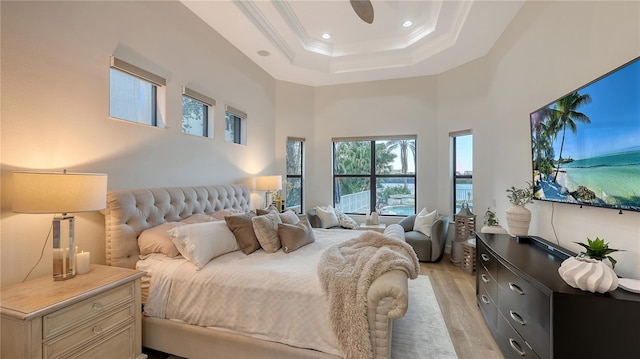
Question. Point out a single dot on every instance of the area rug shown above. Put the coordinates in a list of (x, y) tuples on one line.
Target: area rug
[(422, 332)]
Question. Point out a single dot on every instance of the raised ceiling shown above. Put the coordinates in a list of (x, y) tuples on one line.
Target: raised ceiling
[(444, 34)]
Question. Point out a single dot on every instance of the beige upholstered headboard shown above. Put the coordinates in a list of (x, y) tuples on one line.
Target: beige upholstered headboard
[(129, 212)]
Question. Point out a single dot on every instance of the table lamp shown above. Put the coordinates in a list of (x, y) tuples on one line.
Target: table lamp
[(268, 183), (60, 193)]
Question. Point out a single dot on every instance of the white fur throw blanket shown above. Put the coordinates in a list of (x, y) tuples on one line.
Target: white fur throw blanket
[(346, 271)]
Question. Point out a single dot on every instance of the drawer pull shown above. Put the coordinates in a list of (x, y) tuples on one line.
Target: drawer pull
[(97, 306), (485, 299), (484, 257), (484, 278), (516, 347), (97, 329), (515, 288), (515, 316)]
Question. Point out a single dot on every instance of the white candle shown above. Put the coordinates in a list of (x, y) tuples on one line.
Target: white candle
[(83, 262)]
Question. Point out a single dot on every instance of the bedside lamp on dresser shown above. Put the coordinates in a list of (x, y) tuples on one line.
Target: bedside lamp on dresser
[(95, 315)]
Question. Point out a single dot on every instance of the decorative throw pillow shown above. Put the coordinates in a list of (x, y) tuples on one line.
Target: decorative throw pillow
[(424, 221), (289, 217), (294, 236), (327, 216), (346, 221), (219, 215), (198, 218), (395, 231), (201, 242), (157, 240), (261, 212), (266, 229), (242, 228)]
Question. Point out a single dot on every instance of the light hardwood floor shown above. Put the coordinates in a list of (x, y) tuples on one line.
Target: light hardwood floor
[(455, 290)]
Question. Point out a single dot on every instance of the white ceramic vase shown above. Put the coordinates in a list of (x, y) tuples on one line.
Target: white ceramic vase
[(518, 219), (588, 274)]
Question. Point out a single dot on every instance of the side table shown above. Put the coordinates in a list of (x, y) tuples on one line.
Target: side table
[(373, 227)]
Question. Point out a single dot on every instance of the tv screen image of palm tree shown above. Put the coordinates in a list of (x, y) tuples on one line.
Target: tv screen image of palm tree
[(586, 145)]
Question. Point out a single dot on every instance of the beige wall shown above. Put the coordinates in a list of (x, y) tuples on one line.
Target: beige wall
[(55, 83), (550, 49), (55, 112)]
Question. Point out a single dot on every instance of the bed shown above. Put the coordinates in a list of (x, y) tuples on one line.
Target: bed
[(130, 212)]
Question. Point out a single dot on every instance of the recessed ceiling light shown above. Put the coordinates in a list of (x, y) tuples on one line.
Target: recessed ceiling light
[(264, 53), (407, 23), (326, 36)]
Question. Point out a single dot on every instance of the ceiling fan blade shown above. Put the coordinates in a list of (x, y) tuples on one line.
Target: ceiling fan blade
[(363, 9)]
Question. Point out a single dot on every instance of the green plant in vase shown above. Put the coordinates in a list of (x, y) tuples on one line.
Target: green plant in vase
[(598, 249), (588, 271), (519, 217)]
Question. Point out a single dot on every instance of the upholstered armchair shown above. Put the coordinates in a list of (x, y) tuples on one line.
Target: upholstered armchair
[(428, 248)]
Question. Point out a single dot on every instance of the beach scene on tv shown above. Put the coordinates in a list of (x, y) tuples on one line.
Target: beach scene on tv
[(586, 145)]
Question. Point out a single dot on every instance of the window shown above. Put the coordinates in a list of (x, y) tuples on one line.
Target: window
[(134, 94), (196, 113), (295, 159), (375, 174), (462, 145), (235, 126)]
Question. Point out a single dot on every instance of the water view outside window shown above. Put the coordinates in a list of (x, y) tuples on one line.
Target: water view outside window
[(194, 117), (463, 176), (295, 156), (375, 175), (131, 98)]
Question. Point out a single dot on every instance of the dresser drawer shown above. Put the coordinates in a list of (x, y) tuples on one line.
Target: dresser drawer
[(487, 259), (76, 314), (488, 307), (89, 332), (526, 308), (118, 344), (488, 282), (511, 343)]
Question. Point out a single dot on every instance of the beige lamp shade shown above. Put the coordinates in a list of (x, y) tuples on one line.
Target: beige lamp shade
[(50, 192), (269, 183)]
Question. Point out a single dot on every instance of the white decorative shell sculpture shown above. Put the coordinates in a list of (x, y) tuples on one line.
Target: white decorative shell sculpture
[(588, 274)]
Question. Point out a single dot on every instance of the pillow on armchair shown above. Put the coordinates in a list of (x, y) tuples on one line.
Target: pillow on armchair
[(429, 248)]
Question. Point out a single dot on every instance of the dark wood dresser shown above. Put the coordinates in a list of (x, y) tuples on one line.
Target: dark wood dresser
[(532, 312)]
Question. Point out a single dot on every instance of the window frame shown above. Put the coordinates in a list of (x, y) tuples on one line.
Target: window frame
[(372, 175), (207, 108), (158, 89), (301, 169), (455, 176), (239, 125)]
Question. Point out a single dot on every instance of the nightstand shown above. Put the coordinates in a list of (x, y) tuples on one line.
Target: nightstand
[(373, 227), (94, 315)]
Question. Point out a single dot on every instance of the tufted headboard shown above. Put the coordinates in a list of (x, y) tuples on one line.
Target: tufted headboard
[(129, 212)]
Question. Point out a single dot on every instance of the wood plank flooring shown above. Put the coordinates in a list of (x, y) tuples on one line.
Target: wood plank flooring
[(456, 294), (455, 290)]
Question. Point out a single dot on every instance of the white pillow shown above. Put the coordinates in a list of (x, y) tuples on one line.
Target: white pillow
[(201, 242), (327, 216), (424, 221)]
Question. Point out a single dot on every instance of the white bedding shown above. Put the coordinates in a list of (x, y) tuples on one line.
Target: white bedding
[(275, 296)]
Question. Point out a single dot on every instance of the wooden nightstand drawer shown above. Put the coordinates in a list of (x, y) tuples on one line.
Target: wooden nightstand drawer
[(74, 315), (115, 345), (92, 331)]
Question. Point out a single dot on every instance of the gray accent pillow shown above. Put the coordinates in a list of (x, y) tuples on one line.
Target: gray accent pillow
[(294, 236), (242, 228), (266, 230), (346, 221), (289, 217), (157, 240)]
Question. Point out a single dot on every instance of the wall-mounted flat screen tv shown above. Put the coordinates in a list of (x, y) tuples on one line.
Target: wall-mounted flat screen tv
[(585, 146)]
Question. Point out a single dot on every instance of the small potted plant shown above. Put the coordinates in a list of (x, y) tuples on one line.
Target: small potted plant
[(491, 224), (588, 270), (518, 216)]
